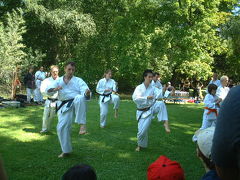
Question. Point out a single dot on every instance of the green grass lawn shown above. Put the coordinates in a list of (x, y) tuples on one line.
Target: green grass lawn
[(30, 155)]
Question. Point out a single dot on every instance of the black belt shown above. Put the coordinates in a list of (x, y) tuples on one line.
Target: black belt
[(64, 102), (106, 95), (143, 110), (52, 99)]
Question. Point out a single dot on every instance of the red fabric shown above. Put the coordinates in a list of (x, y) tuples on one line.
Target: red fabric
[(165, 169), (211, 110), (191, 101)]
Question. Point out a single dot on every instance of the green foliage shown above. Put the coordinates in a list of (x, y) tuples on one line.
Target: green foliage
[(179, 39), (231, 31), (11, 51)]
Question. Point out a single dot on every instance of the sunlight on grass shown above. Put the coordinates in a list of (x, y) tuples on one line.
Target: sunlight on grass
[(133, 139), (180, 125), (99, 145), (189, 132), (124, 155)]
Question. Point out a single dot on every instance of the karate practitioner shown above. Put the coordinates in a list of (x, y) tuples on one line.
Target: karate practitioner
[(222, 90), (145, 97), (107, 89), (39, 77), (50, 103), (73, 93), (211, 106), (156, 81)]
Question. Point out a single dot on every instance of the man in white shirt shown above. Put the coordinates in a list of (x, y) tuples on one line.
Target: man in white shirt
[(145, 97), (50, 103), (39, 77), (73, 93), (215, 80), (222, 90)]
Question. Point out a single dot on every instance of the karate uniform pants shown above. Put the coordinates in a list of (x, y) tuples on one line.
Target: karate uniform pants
[(104, 108), (48, 114), (162, 113), (65, 119), (206, 123), (158, 108), (38, 95), (30, 93)]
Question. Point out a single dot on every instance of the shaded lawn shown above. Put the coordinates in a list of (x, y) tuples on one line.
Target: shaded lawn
[(30, 155)]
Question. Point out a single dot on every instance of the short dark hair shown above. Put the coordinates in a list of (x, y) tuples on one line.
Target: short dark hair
[(212, 87), (146, 72), (80, 172), (156, 74), (70, 63)]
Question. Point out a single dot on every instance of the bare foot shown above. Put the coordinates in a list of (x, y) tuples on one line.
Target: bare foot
[(167, 129), (82, 130), (63, 155), (138, 149)]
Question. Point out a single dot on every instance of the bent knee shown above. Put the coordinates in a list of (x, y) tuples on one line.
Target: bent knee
[(79, 98)]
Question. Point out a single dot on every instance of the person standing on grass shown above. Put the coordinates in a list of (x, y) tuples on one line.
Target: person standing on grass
[(50, 103), (211, 105), (215, 80), (222, 90), (107, 89), (145, 97), (16, 83), (29, 82), (73, 93), (39, 77)]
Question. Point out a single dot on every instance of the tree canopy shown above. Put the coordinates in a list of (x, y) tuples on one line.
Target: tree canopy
[(177, 38)]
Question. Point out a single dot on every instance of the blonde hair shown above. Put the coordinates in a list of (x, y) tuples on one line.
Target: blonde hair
[(223, 78), (53, 66)]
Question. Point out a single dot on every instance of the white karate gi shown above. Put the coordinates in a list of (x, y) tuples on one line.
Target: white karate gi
[(50, 105), (75, 89), (222, 92), (106, 97), (38, 75), (157, 84), (144, 118), (217, 82), (209, 119)]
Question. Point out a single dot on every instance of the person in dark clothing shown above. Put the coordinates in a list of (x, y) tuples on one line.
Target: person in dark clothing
[(80, 172), (197, 87), (29, 82), (226, 140)]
